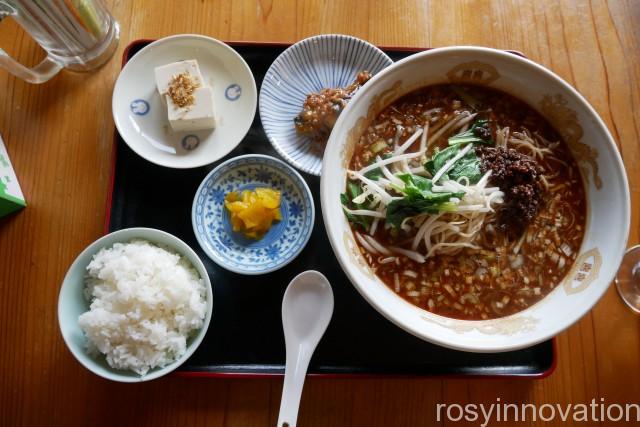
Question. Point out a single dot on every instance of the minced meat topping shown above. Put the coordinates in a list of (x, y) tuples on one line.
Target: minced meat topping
[(321, 110), (518, 175)]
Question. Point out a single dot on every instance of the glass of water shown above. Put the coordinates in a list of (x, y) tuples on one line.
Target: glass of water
[(79, 35), (628, 278)]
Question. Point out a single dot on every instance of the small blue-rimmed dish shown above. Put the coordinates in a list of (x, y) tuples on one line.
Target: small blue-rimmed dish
[(313, 64), (284, 240)]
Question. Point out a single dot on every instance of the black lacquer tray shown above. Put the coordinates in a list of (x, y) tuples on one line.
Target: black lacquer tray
[(245, 336)]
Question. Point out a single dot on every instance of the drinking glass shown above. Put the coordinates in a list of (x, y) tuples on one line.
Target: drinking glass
[(628, 278), (79, 35)]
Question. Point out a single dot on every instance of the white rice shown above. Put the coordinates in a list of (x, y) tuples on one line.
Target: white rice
[(145, 302)]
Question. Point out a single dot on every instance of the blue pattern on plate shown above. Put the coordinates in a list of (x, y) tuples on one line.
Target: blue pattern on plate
[(319, 62), (233, 92), (284, 240), (190, 142), (139, 107)]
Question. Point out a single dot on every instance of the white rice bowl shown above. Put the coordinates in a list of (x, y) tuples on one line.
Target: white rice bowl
[(145, 303)]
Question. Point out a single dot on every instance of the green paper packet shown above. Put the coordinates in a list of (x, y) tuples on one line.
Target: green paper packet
[(11, 198)]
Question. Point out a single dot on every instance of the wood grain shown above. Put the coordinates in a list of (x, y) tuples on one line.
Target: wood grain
[(59, 136)]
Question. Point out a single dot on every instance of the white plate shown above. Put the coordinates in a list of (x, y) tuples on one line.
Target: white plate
[(141, 117)]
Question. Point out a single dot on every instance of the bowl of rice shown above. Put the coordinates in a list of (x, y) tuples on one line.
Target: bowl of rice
[(135, 305)]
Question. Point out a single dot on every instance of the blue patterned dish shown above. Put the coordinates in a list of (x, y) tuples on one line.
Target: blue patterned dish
[(284, 240), (330, 60)]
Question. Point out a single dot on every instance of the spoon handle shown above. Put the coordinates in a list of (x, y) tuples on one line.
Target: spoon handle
[(294, 374)]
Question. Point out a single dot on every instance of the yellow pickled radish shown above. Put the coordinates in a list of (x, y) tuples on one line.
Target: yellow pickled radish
[(253, 212)]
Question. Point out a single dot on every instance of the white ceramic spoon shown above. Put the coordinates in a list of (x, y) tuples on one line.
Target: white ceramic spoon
[(307, 308)]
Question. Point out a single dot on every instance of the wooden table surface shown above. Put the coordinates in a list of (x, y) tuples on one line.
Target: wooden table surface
[(59, 136)]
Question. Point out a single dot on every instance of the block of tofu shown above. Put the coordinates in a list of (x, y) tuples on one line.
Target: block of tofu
[(165, 73), (197, 116)]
